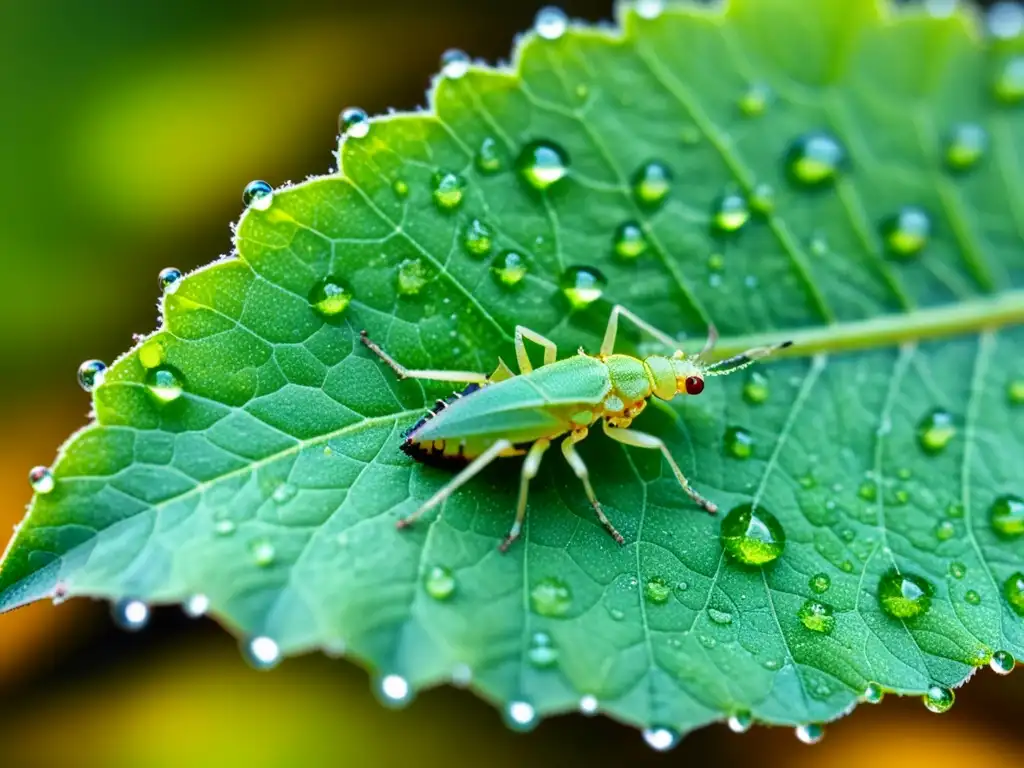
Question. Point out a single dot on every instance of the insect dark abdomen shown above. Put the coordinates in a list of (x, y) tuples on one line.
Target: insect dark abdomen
[(431, 455)]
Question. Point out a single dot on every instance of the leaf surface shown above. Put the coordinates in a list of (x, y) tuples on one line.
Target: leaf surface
[(272, 484)]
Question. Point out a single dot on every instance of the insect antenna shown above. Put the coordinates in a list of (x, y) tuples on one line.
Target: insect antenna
[(742, 360), (712, 340)]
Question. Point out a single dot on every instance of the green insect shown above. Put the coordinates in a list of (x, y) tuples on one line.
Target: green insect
[(508, 415)]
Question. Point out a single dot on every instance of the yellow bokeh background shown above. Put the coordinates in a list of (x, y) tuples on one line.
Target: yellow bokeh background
[(128, 131)]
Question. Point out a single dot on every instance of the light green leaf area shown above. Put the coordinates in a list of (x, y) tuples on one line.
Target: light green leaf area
[(272, 484)]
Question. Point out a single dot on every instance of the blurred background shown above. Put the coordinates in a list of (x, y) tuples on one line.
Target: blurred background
[(127, 132)]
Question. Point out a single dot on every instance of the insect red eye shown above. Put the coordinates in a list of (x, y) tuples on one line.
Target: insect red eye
[(694, 385)]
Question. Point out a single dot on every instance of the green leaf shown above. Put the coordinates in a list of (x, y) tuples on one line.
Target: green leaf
[(249, 450)]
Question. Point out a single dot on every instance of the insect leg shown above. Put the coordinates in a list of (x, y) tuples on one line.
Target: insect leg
[(530, 466), (550, 350), (569, 451), (608, 345), (471, 469), (643, 440), (470, 377)]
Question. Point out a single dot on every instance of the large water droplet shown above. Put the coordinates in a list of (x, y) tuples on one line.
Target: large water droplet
[(729, 213), (817, 617), (354, 123), (1002, 662), (329, 298), (521, 716), (965, 146), (448, 190), (815, 159), (1005, 20), (1007, 517), (935, 431), (739, 443), (91, 374), (439, 582), (542, 163), (661, 739), (542, 651), (740, 722), (169, 279), (873, 693), (582, 286), (753, 537), (411, 277), (165, 384), (629, 241), (1015, 392), (811, 733), (755, 389), (820, 583), (263, 552), (489, 158), (478, 237), (197, 605), (510, 268), (904, 595), (652, 183), (1009, 83), (649, 9), (130, 614), (394, 691), (657, 590), (938, 699), (551, 597), (754, 100), (551, 22), (1013, 590), (454, 63), (41, 480), (906, 232), (258, 195), (262, 652)]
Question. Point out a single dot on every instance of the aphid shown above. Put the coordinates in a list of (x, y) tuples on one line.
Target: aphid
[(508, 415)]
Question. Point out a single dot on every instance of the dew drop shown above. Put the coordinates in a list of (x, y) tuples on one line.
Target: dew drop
[(1002, 662), (657, 590), (130, 614), (762, 199), (629, 240), (354, 123), (329, 298), (729, 213), (542, 652), (811, 733), (945, 531), (439, 582), (716, 262), (197, 605), (169, 280), (462, 675), (1009, 84), (972, 597), (1015, 392), (755, 388), (284, 493), (903, 595), (510, 268), (551, 22), (722, 618), (1013, 589), (1005, 20), (588, 704), (263, 553), (753, 537), (165, 384), (551, 597), (454, 63), (652, 183), (478, 238), (400, 188), (868, 491), (258, 195), (91, 374), (957, 570), (815, 159), (740, 722), (660, 739), (754, 100), (1007, 517), (965, 146), (262, 652), (411, 277), (873, 693), (41, 480), (739, 443), (817, 617), (521, 716), (820, 583), (582, 286), (488, 158), (448, 190), (935, 431), (938, 699), (906, 232), (649, 9), (542, 163), (394, 691)]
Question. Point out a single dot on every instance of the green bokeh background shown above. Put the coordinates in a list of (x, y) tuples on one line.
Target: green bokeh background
[(127, 132)]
